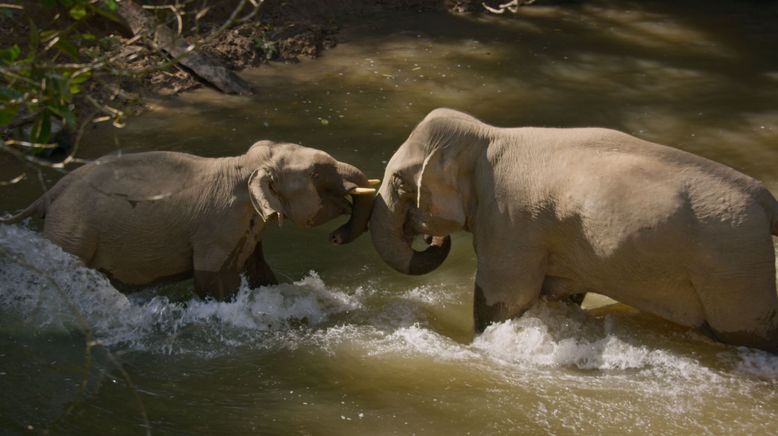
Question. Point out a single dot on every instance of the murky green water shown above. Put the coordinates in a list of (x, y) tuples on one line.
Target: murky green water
[(347, 346)]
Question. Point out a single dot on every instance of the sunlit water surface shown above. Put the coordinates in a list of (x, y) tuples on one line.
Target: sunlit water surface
[(346, 346)]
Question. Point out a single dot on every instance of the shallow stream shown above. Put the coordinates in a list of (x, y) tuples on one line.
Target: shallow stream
[(345, 346)]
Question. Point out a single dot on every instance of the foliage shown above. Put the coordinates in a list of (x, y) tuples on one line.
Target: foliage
[(42, 77), (266, 45), (62, 74)]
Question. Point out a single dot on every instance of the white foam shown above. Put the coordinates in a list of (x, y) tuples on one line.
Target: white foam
[(428, 295), (754, 362), (420, 341), (368, 320), (556, 335), (42, 286)]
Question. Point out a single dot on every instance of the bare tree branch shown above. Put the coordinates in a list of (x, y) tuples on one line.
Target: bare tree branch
[(164, 39), (512, 6)]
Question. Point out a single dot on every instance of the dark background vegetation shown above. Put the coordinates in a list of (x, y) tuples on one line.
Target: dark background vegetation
[(67, 63)]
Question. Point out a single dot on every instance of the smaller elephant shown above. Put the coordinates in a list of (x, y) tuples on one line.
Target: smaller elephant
[(560, 212), (150, 217)]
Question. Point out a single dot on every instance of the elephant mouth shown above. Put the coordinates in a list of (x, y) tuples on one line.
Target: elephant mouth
[(337, 207), (415, 227)]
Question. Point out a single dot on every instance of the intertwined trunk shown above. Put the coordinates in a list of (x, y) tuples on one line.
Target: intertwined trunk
[(387, 228), (362, 205)]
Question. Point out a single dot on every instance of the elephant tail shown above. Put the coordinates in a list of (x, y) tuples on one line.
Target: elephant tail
[(34, 209), (39, 206)]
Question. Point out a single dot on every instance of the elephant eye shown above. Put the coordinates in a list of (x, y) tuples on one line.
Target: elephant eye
[(403, 189)]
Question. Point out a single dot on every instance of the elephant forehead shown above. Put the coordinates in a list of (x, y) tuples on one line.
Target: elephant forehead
[(410, 155), (304, 157)]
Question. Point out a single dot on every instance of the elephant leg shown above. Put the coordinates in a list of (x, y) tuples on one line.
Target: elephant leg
[(506, 290), (576, 299), (221, 285), (484, 313), (258, 271), (740, 306), (215, 271), (558, 288)]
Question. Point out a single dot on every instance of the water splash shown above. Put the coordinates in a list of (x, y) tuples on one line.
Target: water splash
[(42, 286), (559, 335)]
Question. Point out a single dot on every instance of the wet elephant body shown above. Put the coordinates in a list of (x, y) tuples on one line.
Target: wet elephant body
[(560, 212), (148, 217)]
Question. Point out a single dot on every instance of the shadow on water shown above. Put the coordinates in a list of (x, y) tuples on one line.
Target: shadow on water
[(697, 76)]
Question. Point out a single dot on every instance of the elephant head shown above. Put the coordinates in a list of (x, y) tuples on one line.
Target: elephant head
[(309, 187), (426, 191)]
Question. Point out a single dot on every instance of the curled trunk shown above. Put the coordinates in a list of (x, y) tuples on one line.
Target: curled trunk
[(361, 208), (394, 246)]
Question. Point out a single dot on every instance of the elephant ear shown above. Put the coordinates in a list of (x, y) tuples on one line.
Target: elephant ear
[(438, 193), (264, 199)]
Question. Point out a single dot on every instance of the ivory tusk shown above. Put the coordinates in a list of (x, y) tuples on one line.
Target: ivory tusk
[(373, 182), (361, 191)]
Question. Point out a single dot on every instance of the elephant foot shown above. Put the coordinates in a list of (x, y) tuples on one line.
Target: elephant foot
[(558, 288), (576, 299), (743, 339), (220, 285), (257, 269), (485, 314), (261, 275)]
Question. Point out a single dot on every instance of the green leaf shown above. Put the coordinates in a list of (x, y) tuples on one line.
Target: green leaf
[(78, 12), (70, 118), (41, 128), (88, 37), (110, 5), (81, 78), (8, 93), (48, 3), (7, 114), (48, 34), (64, 114), (108, 14), (61, 89), (67, 47), (10, 54), (35, 37)]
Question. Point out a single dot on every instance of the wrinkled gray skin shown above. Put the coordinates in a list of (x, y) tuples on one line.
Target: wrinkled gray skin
[(149, 217), (560, 212)]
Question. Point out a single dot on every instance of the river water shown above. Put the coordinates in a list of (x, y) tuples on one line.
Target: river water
[(345, 346)]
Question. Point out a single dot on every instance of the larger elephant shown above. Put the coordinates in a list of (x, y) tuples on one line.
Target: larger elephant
[(560, 212), (148, 217)]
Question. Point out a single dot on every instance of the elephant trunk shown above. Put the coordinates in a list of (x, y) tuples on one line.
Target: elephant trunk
[(361, 205), (387, 228)]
